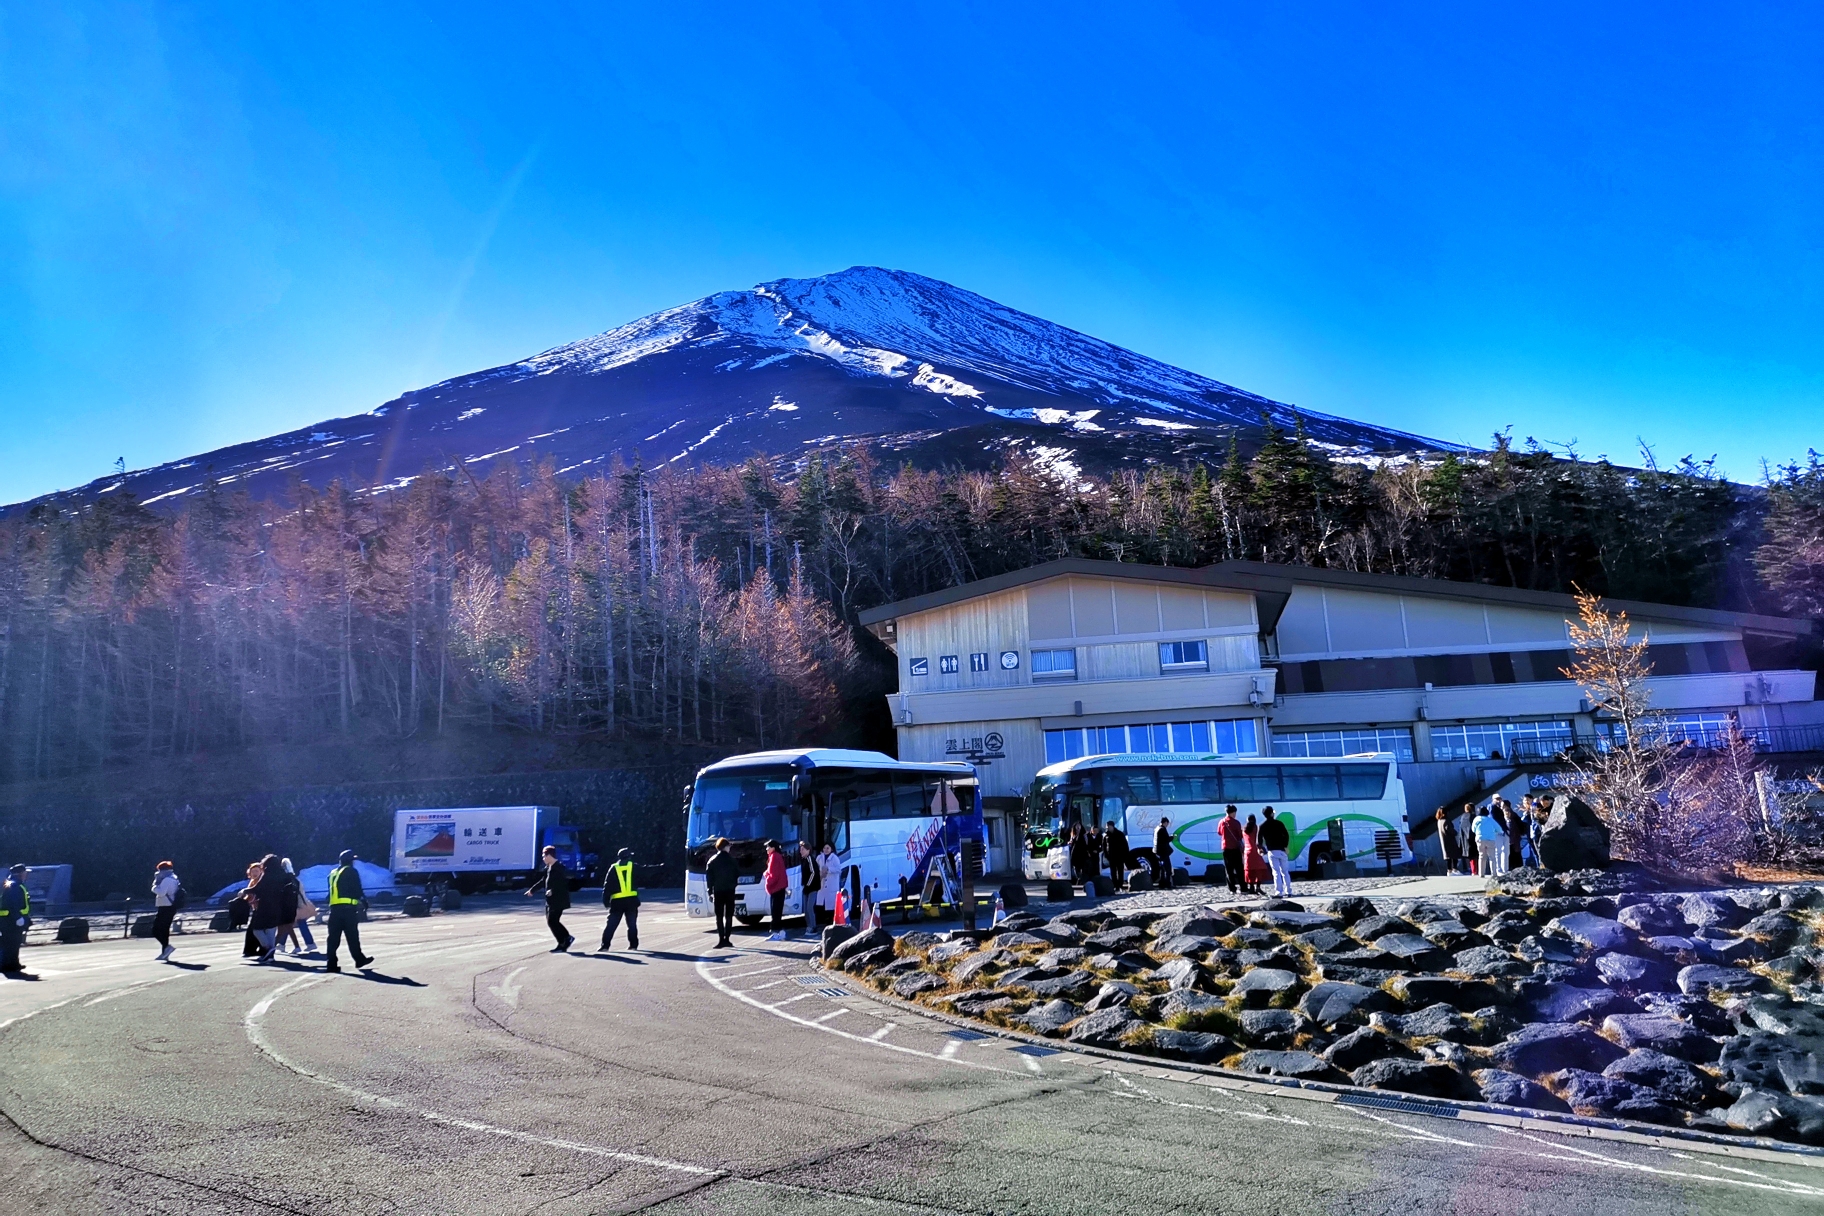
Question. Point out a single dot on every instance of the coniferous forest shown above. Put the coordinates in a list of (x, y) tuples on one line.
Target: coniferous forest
[(715, 605)]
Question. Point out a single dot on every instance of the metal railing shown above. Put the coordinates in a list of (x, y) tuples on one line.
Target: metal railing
[(1771, 740)]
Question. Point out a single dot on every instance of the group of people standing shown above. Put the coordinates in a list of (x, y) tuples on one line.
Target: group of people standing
[(1088, 848), (1492, 838), (1254, 852)]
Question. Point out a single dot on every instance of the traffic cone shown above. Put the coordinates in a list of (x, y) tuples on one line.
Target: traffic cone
[(1000, 909), (842, 908)]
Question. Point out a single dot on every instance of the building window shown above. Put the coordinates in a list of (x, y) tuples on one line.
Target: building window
[(1234, 737), (1397, 740), (1054, 664), (1184, 656), (1500, 740)]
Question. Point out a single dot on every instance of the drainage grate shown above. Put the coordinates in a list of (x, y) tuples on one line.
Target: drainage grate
[(967, 1036), (1027, 1049), (835, 994), (1396, 1104), (812, 980)]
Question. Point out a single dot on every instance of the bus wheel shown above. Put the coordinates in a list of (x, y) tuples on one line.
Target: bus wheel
[(750, 921), (1315, 861)]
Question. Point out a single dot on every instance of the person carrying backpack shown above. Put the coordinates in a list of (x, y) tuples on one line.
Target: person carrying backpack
[(167, 899)]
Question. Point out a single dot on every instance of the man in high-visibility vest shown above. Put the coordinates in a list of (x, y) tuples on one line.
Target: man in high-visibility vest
[(345, 896), (623, 901), (15, 918)]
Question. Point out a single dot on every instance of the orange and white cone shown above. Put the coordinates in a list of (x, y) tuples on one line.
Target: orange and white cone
[(842, 908)]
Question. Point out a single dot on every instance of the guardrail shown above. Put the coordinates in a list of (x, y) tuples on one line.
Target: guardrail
[(1771, 740)]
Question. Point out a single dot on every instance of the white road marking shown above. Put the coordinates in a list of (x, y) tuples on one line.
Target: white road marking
[(768, 984), (949, 1050), (882, 1033), (507, 990), (132, 988), (826, 1017), (1570, 1152), (802, 996), (257, 1036), (1032, 1065), (715, 982), (735, 975)]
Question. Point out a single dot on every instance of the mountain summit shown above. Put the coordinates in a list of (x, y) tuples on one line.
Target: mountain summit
[(920, 370)]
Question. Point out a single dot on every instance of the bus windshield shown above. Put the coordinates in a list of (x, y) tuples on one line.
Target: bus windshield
[(753, 805)]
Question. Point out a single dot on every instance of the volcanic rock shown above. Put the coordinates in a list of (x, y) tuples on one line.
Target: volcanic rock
[(1547, 1047), (1705, 909), (1259, 986), (1371, 927), (1410, 1077), (1590, 930), (1511, 1089), (1489, 962), (1423, 990), (1049, 1018), (1574, 837), (1565, 1003), (1637, 1031), (1349, 908), (910, 985), (1704, 979), (1676, 1082), (1199, 1047), (1269, 1027), (1300, 1064), (1362, 1045), (1104, 1028), (1332, 1002), (1591, 1093)]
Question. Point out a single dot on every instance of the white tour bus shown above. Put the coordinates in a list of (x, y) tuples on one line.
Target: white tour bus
[(886, 820), (1135, 791)]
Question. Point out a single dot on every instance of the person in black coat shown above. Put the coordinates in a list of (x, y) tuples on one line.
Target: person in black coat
[(1114, 845), (275, 903), (722, 874), (556, 882)]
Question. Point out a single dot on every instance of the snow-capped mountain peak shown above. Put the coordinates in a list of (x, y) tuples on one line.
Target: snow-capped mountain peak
[(916, 368)]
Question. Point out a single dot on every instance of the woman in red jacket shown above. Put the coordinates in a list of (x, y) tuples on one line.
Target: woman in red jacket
[(776, 883), (1254, 864)]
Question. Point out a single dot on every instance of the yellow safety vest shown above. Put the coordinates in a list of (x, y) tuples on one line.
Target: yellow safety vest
[(623, 875), (335, 889)]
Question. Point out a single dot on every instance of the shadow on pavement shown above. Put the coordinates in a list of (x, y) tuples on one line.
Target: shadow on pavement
[(17, 975), (380, 977), (171, 962)]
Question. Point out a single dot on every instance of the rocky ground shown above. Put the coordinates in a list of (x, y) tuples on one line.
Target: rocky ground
[(1586, 992)]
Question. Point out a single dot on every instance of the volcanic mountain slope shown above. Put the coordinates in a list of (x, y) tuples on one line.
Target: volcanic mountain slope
[(923, 371)]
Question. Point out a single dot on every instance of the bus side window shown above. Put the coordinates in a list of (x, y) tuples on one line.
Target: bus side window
[(838, 835), (1364, 782)]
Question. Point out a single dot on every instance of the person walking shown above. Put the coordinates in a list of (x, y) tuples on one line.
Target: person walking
[(345, 899), (15, 919), (776, 883), (1162, 854), (1234, 845), (810, 886), (1114, 843), (306, 910), (274, 904), (722, 874), (1448, 846), (1275, 839), (556, 882), (623, 902), (165, 888)]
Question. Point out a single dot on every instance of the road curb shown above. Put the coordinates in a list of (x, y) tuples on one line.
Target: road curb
[(1626, 1131)]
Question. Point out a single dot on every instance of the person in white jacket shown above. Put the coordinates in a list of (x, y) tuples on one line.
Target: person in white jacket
[(830, 871), (165, 886)]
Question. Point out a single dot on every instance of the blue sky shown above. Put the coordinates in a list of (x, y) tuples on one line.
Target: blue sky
[(1591, 223)]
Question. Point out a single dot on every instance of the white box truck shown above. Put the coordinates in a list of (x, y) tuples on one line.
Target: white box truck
[(474, 846)]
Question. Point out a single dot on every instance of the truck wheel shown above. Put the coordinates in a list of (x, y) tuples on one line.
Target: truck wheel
[(750, 921)]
